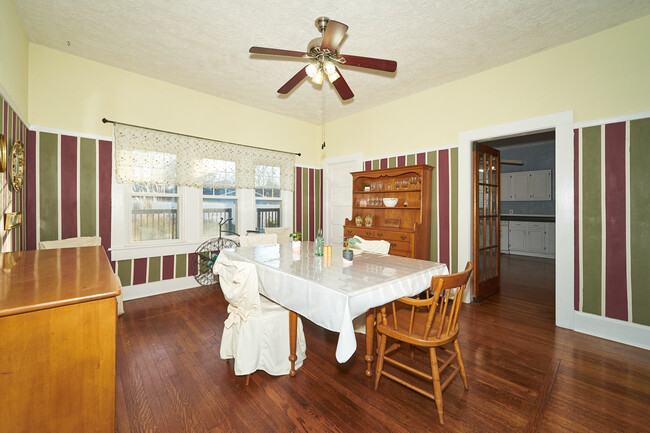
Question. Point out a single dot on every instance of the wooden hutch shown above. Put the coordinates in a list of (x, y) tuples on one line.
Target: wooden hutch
[(407, 226)]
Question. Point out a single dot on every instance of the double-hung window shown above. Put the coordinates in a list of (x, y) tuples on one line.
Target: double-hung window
[(154, 207), (219, 204), (268, 198)]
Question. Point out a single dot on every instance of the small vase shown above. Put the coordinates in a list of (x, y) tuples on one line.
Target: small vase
[(348, 255), (295, 245)]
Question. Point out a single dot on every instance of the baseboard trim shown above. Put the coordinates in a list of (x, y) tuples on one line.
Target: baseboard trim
[(529, 254), (612, 329), (157, 288)]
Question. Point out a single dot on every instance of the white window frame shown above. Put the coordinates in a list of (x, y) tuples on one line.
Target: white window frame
[(235, 197), (128, 197), (190, 235)]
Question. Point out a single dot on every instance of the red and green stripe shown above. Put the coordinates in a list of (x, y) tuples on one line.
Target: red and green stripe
[(615, 241), (640, 220), (308, 202), (591, 220)]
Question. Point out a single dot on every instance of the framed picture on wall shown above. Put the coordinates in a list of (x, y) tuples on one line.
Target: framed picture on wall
[(13, 219)]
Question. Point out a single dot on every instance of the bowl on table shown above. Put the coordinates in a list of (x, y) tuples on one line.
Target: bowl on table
[(390, 201)]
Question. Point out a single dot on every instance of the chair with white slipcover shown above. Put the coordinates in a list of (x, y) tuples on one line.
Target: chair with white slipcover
[(256, 332), (83, 241), (281, 232), (260, 239)]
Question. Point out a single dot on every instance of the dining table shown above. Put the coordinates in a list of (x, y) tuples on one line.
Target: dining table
[(332, 292)]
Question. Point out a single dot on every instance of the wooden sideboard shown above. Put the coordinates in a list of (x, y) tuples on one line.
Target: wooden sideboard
[(407, 226), (57, 341)]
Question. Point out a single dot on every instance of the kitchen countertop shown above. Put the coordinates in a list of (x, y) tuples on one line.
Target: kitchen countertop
[(528, 217)]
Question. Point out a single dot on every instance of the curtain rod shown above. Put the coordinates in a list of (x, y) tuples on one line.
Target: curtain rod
[(105, 120)]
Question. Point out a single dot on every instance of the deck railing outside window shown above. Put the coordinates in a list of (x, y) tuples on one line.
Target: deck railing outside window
[(268, 217), (154, 224)]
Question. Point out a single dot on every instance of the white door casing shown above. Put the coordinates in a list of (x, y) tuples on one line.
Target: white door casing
[(337, 194), (563, 125)]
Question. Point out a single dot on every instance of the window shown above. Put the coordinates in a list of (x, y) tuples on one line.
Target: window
[(154, 212), (220, 203), (268, 198), (154, 207), (170, 191)]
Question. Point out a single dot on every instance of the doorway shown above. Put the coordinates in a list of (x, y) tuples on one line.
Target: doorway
[(337, 194), (527, 216), (562, 124)]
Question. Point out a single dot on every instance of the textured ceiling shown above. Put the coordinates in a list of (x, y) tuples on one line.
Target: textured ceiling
[(203, 44)]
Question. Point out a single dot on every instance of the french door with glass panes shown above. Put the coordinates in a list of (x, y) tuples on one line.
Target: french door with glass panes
[(486, 251)]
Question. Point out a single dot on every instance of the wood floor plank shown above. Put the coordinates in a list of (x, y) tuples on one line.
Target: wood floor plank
[(170, 377)]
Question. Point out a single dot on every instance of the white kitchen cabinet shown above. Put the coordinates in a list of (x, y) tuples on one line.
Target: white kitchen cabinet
[(526, 186), (530, 238), (539, 185), (550, 238), (506, 187), (504, 237), (517, 236), (519, 186), (536, 237)]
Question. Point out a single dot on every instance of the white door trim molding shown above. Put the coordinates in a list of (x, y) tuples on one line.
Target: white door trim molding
[(562, 123), (327, 162)]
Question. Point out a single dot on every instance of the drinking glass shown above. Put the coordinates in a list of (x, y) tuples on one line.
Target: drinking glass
[(380, 186), (413, 181), (405, 183), (397, 183), (373, 186)]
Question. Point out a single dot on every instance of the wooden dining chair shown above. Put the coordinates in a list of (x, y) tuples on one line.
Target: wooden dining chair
[(430, 324)]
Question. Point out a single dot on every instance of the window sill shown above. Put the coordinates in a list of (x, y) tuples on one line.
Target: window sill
[(153, 250)]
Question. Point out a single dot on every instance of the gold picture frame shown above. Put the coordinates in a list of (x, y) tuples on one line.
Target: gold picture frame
[(17, 165), (13, 219), (3, 153)]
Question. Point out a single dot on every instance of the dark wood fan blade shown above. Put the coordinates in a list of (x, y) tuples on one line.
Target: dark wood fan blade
[(370, 63), (342, 87), (333, 35), (293, 81), (276, 52)]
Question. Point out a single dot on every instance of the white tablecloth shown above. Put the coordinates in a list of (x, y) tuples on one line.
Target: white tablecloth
[(330, 294)]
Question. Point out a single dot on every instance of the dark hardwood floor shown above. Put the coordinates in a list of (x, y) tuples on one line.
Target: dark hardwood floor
[(524, 373)]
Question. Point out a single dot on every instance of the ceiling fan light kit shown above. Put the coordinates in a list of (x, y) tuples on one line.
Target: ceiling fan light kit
[(324, 56)]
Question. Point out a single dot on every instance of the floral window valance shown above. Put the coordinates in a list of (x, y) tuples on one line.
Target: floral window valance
[(174, 159)]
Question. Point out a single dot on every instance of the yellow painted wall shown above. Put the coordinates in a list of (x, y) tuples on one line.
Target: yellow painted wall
[(13, 58), (603, 75), (71, 93)]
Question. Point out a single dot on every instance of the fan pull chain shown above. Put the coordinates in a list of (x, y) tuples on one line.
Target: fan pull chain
[(322, 124)]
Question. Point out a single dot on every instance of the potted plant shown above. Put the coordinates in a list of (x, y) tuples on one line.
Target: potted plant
[(296, 237), (348, 254)]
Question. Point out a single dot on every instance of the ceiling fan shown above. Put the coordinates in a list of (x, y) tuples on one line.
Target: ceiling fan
[(325, 58)]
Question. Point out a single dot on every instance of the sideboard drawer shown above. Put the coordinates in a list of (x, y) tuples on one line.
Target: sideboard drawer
[(390, 235), (396, 247)]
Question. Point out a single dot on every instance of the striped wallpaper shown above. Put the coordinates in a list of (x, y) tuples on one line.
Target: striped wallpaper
[(13, 129), (612, 202), (308, 202), (69, 194), (444, 198)]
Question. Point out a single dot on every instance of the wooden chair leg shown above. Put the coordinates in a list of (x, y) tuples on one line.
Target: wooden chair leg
[(437, 390), (461, 364), (380, 359), (248, 379)]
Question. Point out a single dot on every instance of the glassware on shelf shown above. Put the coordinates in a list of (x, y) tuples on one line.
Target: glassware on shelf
[(380, 186), (405, 184), (373, 186), (397, 184), (413, 180)]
